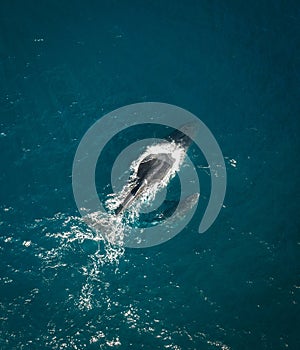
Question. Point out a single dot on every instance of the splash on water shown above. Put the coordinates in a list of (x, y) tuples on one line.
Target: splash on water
[(113, 227), (172, 149)]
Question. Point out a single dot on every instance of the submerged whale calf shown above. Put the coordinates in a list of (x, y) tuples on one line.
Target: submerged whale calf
[(156, 167)]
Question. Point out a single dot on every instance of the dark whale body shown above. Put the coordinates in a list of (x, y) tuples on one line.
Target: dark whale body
[(154, 167)]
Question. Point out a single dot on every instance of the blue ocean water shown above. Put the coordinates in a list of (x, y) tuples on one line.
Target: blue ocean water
[(63, 65)]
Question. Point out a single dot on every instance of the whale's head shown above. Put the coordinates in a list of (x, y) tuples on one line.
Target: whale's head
[(184, 135)]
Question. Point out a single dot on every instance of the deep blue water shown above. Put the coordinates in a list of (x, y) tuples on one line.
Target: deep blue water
[(234, 64)]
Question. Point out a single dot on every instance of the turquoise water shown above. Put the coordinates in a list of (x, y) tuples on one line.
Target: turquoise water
[(63, 65)]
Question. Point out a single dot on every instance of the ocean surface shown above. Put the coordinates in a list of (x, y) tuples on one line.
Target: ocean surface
[(235, 65)]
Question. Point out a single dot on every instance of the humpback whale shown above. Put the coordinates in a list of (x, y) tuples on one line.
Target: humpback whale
[(155, 167)]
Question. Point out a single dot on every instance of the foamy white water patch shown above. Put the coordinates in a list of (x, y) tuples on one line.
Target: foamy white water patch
[(105, 231)]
